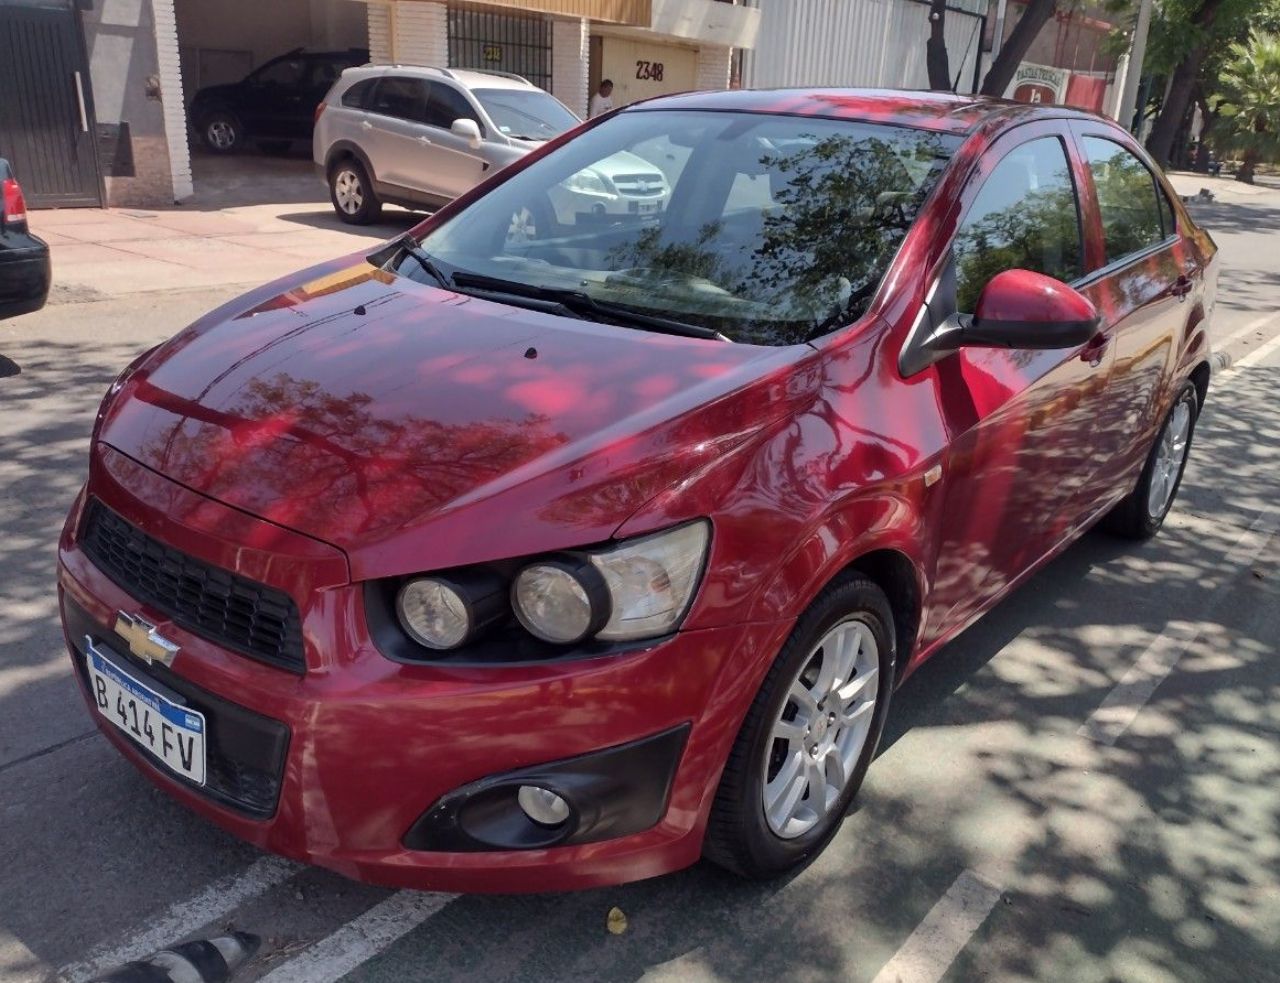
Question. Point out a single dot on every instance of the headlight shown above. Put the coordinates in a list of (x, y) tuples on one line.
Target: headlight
[(445, 612), (561, 601), (638, 589), (651, 581), (589, 183)]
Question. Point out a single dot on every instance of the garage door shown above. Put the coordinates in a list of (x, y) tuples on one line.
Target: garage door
[(643, 69)]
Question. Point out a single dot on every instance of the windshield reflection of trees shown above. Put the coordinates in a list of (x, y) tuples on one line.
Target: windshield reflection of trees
[(841, 205)]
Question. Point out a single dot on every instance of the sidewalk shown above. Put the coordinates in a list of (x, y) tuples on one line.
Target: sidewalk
[(113, 252)]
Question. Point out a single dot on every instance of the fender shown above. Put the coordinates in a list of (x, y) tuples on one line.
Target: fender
[(347, 148)]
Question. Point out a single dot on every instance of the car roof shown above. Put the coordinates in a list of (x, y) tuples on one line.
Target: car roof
[(467, 77), (943, 112)]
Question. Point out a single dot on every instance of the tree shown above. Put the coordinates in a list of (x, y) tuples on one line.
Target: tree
[(1000, 74), (1251, 100), (1198, 37), (935, 50)]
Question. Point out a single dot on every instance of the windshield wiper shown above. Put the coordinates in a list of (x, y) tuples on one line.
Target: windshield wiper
[(584, 304), (424, 260)]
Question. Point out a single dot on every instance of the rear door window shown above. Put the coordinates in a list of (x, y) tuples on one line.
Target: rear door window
[(401, 98), (1128, 199), (1026, 216)]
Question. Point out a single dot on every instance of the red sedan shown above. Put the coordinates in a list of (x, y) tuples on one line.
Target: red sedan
[(587, 529)]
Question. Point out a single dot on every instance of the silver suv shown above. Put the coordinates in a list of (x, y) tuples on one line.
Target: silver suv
[(419, 137)]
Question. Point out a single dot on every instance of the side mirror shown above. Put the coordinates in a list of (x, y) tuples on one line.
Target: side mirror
[(468, 128), (1022, 309)]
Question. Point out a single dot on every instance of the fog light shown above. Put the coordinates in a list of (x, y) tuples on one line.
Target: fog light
[(542, 805)]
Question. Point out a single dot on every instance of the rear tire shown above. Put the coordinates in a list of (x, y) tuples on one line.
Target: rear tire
[(1141, 513), (351, 193), (222, 133), (762, 822)]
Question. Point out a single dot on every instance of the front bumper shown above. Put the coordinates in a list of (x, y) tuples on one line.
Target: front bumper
[(372, 746)]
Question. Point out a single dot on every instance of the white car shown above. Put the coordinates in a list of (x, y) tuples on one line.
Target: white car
[(419, 137)]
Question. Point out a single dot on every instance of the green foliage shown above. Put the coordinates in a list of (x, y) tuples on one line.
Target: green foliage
[(1250, 87)]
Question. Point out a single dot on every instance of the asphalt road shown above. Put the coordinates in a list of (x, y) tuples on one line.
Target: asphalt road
[(1085, 786)]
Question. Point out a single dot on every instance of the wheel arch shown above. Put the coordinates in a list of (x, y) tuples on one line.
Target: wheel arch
[(1199, 377), (347, 150)]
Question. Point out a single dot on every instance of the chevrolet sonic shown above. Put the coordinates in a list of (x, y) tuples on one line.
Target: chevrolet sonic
[(553, 545)]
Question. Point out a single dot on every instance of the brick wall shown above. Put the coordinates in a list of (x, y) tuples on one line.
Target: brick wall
[(409, 32), (570, 54), (713, 67)]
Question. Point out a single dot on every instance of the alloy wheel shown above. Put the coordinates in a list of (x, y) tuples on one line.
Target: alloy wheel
[(348, 192), (821, 730), (222, 134), (523, 227), (1171, 454)]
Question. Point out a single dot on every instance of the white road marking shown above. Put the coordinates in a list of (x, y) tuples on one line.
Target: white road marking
[(1256, 324), (1258, 354), (210, 904), (1136, 687), (945, 931), (360, 939)]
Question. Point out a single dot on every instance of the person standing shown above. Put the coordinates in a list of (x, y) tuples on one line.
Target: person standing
[(602, 101)]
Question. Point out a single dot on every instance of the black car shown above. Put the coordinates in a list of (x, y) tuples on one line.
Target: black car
[(24, 259), (273, 105)]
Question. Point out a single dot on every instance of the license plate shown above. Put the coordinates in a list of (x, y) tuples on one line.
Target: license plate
[(172, 733)]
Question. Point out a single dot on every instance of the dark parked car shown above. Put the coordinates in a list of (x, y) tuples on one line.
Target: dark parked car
[(513, 557), (24, 258), (273, 105)]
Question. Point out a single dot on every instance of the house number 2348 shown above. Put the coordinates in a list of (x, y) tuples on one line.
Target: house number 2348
[(649, 70)]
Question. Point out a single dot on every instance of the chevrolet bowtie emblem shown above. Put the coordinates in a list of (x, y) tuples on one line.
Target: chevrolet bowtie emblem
[(144, 641)]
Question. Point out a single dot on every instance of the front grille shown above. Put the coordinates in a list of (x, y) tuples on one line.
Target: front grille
[(232, 611), (245, 752), (639, 185)]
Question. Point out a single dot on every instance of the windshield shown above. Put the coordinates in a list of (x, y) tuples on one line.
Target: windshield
[(525, 114), (768, 229)]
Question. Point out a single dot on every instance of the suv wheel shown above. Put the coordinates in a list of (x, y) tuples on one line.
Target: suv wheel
[(351, 192), (221, 133)]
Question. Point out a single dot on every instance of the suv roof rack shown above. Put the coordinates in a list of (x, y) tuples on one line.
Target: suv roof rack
[(505, 75)]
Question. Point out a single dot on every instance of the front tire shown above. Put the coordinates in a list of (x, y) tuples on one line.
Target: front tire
[(222, 133), (351, 193), (1141, 513), (809, 736)]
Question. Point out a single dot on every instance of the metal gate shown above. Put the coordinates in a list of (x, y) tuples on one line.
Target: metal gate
[(518, 43), (46, 110)]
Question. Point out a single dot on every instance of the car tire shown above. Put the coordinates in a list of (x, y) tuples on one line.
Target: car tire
[(752, 831), (1141, 513), (351, 193), (221, 132)]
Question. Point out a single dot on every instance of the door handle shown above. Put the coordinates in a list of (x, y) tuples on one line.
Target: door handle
[(84, 116), (366, 125), (1095, 349), (1181, 286)]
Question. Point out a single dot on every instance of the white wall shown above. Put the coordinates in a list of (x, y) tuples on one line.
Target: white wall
[(570, 51), (409, 32), (855, 42)]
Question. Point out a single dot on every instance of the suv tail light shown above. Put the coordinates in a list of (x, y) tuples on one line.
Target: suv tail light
[(15, 206), (319, 110)]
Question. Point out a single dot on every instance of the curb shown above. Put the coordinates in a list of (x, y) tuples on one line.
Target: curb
[(1219, 361)]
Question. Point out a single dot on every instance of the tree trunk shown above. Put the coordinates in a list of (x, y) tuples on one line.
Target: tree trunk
[(1201, 163), (1000, 74), (1185, 77), (1247, 165), (935, 49)]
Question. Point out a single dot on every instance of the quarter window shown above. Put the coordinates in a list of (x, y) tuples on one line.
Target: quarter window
[(1025, 217), (1127, 199), (357, 97)]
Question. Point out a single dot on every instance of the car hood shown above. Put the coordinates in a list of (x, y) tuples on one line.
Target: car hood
[(416, 428)]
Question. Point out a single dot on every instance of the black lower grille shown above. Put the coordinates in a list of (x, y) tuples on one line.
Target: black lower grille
[(245, 752), (236, 613)]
